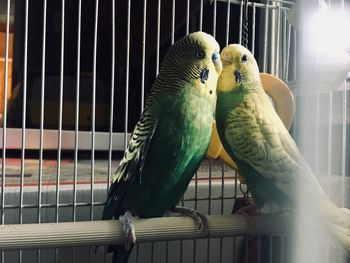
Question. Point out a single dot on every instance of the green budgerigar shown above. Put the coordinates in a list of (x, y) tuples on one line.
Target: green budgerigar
[(266, 155), (172, 136)]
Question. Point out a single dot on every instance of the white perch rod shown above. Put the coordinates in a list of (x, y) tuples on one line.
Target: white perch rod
[(68, 234)]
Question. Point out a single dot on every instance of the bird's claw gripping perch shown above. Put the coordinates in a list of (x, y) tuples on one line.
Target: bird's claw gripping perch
[(246, 207), (128, 229), (200, 219)]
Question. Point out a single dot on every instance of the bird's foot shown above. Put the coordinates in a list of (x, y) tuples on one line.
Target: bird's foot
[(245, 206), (200, 219), (128, 229)]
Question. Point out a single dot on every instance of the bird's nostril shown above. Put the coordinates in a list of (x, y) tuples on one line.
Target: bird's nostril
[(215, 56)]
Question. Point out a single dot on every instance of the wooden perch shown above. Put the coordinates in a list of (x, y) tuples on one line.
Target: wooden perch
[(72, 234)]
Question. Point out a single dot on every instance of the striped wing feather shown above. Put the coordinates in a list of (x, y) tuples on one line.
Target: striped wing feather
[(258, 137), (132, 163)]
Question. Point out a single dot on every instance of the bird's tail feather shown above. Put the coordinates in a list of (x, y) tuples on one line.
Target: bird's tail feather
[(342, 235), (339, 226), (120, 253)]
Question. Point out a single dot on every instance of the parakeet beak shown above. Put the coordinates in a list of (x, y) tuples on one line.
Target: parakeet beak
[(238, 76), (215, 57), (217, 61)]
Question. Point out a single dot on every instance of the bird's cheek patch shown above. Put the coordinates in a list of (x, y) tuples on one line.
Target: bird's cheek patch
[(204, 75)]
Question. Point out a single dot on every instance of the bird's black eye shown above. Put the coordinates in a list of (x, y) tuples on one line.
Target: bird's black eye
[(200, 54), (244, 58)]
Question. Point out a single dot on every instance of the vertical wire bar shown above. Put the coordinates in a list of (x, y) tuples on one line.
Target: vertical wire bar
[(272, 50), (166, 251), (265, 37), (110, 146), (344, 122), (329, 141), (60, 124), (187, 17), (270, 248), (284, 45), (201, 16), (228, 12), (196, 208), (259, 250), (209, 204), (23, 143), (93, 121), (60, 114), (288, 51), (173, 22), (253, 27), (143, 54), (4, 131), (343, 164), (222, 187), (105, 253), (240, 23), (277, 43), (214, 18), (235, 199), (246, 241), (77, 102), (137, 253), (282, 247), (210, 187), (41, 140), (317, 135), (152, 252), (222, 203), (157, 64), (41, 146), (127, 76), (158, 35), (294, 56)]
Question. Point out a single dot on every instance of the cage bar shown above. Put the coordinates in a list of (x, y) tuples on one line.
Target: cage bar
[(228, 8), (158, 36), (144, 28), (59, 145), (76, 130), (126, 116), (4, 122), (280, 39), (109, 169), (344, 142), (93, 117), (265, 38), (42, 113)]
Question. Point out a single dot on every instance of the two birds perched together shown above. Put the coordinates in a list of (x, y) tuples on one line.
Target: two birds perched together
[(170, 140)]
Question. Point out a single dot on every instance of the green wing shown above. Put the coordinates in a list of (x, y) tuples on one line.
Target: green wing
[(132, 163)]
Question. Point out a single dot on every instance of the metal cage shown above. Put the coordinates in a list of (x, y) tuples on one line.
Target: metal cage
[(74, 78)]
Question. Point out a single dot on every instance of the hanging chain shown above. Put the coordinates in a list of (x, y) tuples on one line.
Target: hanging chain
[(245, 191), (245, 24)]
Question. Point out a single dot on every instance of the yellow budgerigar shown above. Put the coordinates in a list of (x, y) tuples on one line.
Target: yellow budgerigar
[(265, 153)]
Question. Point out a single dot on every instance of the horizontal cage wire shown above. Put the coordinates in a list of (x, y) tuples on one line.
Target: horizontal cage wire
[(75, 78)]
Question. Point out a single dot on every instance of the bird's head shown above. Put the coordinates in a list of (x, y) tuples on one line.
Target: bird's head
[(240, 69), (195, 59)]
